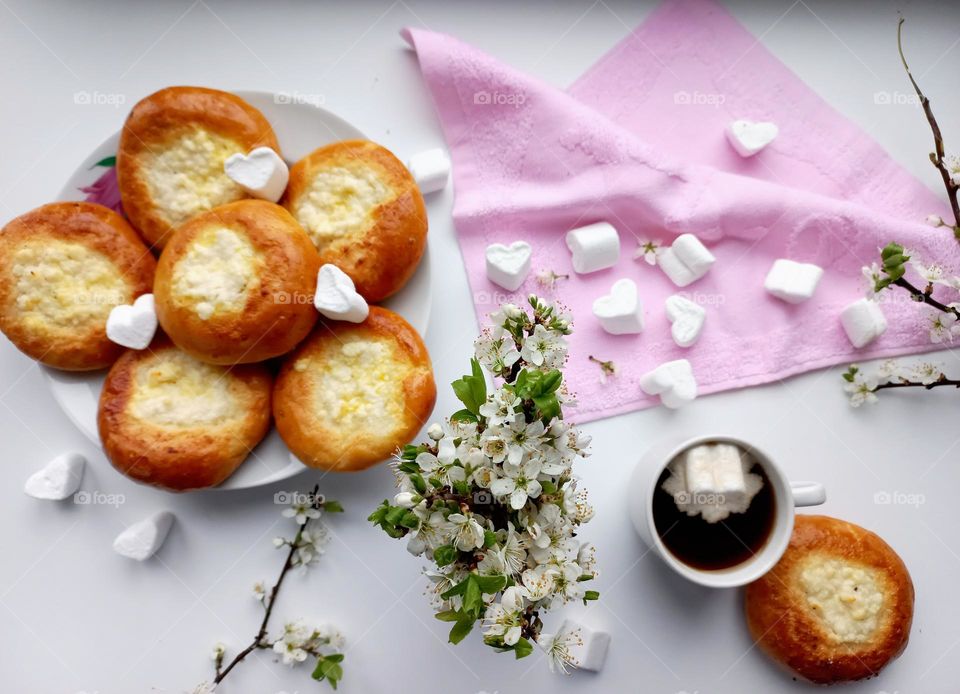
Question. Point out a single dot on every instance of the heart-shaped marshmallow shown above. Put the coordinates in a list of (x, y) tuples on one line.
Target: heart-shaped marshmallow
[(142, 539), (430, 169), (133, 326), (262, 173), (620, 312), (673, 381), (686, 260), (687, 318), (748, 137), (593, 247), (337, 297), (508, 266), (58, 479)]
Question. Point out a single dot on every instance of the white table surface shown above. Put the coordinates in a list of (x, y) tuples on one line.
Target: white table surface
[(78, 618)]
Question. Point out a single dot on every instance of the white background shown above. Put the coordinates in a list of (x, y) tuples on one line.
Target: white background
[(78, 618)]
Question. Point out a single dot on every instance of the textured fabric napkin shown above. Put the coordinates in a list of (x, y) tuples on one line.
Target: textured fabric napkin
[(638, 141)]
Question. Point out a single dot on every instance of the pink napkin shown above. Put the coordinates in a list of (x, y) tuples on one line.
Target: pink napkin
[(638, 141)]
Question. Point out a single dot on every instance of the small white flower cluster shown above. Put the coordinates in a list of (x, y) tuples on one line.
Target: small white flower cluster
[(649, 250), (862, 387), (491, 498), (300, 641)]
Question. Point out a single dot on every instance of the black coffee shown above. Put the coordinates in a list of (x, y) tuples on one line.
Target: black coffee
[(714, 546)]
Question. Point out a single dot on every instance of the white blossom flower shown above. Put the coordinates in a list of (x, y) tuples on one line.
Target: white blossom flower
[(929, 273), (514, 550), (311, 545), (500, 407), (259, 591), (290, 645), (888, 371), (927, 373), (504, 618), (873, 274), (300, 512), (546, 348), (204, 688), (496, 353), (519, 483), (548, 278), (468, 533), (953, 166), (861, 390), (649, 250), (558, 648), (943, 327), (493, 443), (523, 437), (538, 582)]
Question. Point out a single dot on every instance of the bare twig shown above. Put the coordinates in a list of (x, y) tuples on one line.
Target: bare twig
[(904, 383), (925, 297), (937, 157)]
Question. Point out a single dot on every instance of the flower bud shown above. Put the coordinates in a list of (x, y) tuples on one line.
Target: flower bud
[(406, 499), (435, 432)]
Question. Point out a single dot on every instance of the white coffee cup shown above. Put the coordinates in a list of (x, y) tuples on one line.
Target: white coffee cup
[(788, 495)]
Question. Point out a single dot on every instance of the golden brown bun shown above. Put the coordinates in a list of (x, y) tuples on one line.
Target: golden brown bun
[(363, 211), (837, 607), (63, 267), (235, 285), (171, 421), (171, 154), (353, 393)]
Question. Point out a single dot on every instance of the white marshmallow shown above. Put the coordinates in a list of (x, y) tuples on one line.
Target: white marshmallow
[(337, 298), (58, 479), (687, 318), (133, 326), (791, 281), (863, 321), (430, 169), (713, 481), (673, 381), (620, 312), (588, 647), (262, 173), (686, 260), (142, 539), (748, 138), (594, 247), (508, 266)]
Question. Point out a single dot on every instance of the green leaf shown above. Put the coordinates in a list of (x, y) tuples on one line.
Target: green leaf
[(409, 467), (395, 514), (548, 487), (550, 382), (106, 161), (328, 668), (332, 506), (460, 630), (463, 416), (410, 520), (584, 577), (379, 513), (416, 479), (448, 616), (489, 539), (471, 390), (472, 596), (491, 584), (522, 648), (458, 589), (445, 555), (591, 595), (548, 405)]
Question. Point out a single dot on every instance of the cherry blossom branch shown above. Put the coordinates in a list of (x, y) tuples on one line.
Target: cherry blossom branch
[(937, 157), (904, 383), (925, 296), (258, 640)]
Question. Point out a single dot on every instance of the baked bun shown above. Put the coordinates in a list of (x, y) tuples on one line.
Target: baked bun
[(838, 605), (235, 285), (172, 149), (363, 211), (169, 420), (63, 267), (353, 393)]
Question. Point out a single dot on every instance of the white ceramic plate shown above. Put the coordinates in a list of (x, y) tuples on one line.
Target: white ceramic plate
[(301, 128)]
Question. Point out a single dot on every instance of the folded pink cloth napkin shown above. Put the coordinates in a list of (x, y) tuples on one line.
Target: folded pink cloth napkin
[(638, 141)]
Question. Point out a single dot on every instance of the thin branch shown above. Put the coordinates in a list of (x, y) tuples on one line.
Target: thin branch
[(903, 383), (258, 640), (925, 297), (937, 156)]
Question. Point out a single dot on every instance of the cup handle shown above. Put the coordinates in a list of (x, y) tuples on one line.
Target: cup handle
[(808, 493)]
